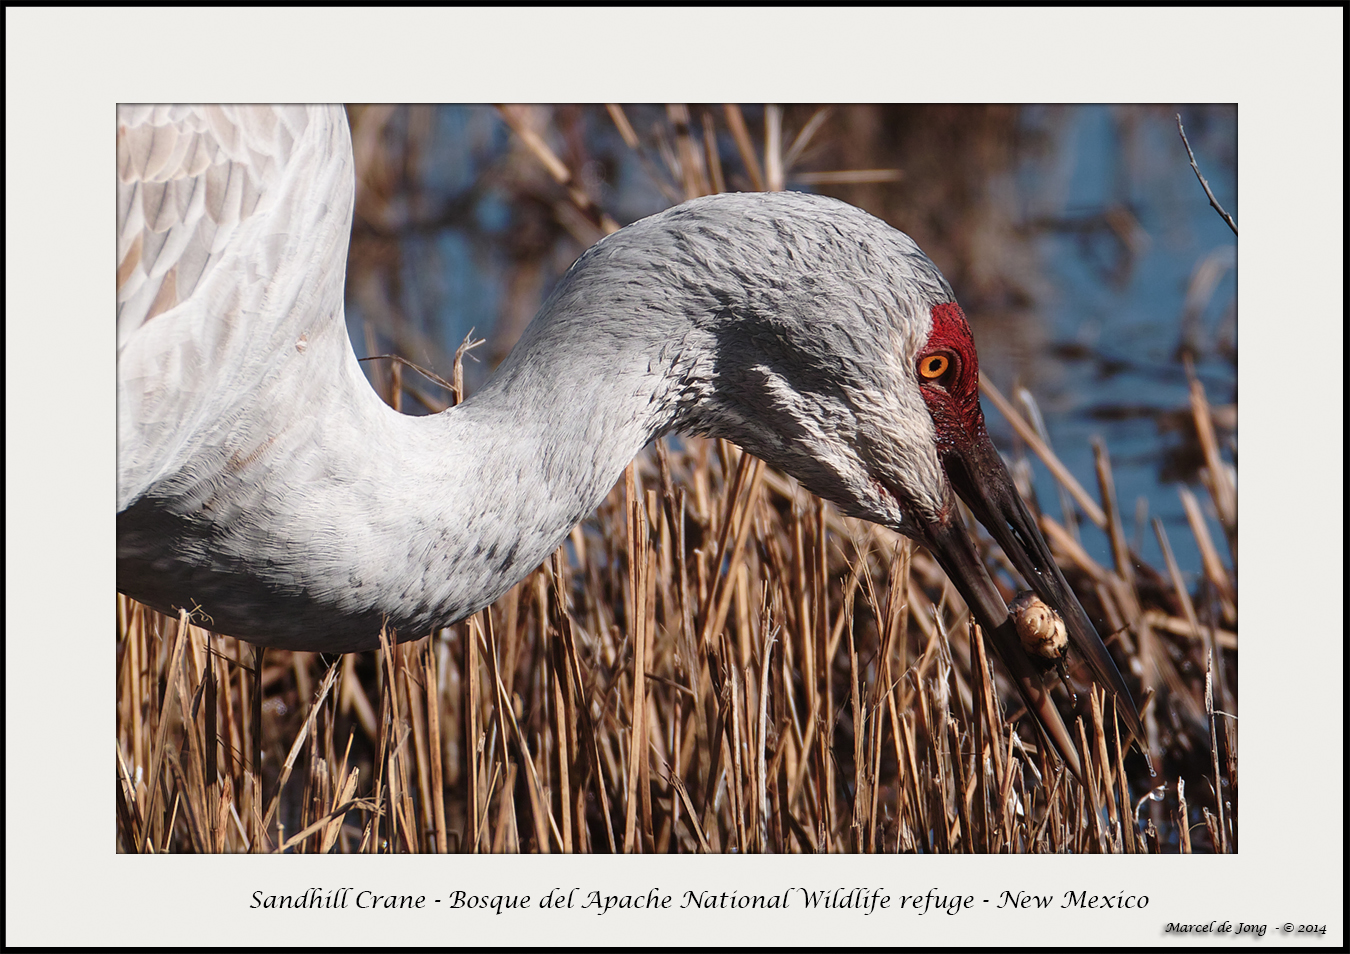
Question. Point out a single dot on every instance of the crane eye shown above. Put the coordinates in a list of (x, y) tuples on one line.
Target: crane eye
[(933, 366)]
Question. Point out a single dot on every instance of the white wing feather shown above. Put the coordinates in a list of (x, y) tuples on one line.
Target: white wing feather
[(232, 227)]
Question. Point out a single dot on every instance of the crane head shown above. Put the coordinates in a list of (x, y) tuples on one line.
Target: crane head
[(946, 372)]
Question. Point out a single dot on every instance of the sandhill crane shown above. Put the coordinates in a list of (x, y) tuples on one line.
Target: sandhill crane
[(261, 479)]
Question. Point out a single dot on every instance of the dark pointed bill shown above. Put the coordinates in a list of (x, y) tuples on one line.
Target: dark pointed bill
[(976, 472)]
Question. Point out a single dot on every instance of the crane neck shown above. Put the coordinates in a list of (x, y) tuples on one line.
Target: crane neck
[(314, 529)]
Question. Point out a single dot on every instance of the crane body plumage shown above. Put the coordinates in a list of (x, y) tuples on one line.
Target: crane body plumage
[(263, 482), (295, 508)]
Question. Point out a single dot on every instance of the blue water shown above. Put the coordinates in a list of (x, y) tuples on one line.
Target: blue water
[(1129, 326)]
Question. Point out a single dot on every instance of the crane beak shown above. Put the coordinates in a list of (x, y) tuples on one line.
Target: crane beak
[(975, 470)]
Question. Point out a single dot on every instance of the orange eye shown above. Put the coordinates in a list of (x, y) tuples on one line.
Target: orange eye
[(933, 367)]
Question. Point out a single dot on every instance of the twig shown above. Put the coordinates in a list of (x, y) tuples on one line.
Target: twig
[(1212, 201), (431, 376)]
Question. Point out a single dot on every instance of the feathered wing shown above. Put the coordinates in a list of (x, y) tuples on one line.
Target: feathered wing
[(232, 225), (187, 177)]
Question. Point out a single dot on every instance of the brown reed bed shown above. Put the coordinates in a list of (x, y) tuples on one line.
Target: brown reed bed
[(715, 661)]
